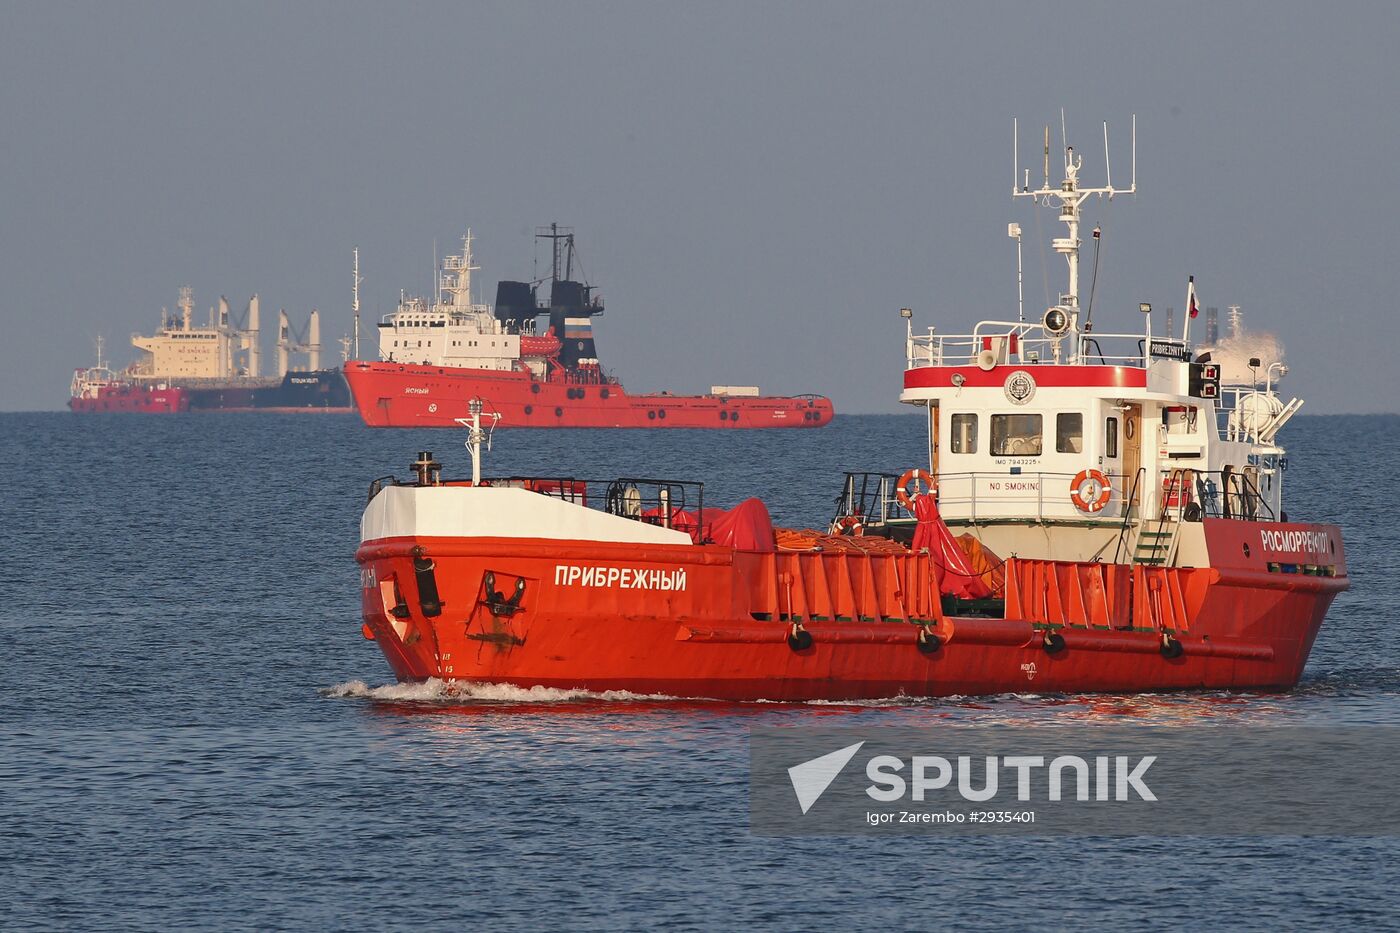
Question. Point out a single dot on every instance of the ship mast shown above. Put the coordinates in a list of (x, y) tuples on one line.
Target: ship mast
[(455, 284), (355, 303), (186, 305), (1070, 195), (563, 250)]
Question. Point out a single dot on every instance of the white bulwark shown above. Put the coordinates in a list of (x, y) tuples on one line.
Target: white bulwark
[(498, 512)]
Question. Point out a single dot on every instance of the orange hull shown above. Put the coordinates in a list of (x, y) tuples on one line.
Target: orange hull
[(710, 621), (398, 395)]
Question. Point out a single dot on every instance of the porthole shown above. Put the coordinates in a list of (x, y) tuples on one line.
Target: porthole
[(724, 416), (651, 415), (559, 412), (603, 393), (535, 388), (661, 413), (529, 409)]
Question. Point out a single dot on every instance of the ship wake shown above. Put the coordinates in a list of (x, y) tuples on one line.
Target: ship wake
[(434, 691)]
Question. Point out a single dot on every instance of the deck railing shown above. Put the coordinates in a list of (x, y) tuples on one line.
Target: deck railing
[(1021, 344), (1045, 496)]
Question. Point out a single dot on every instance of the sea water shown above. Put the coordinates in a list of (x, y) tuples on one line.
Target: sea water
[(193, 733)]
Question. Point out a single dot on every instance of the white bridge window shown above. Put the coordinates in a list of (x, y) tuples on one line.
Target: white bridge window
[(1069, 433), (1016, 435), (964, 439)]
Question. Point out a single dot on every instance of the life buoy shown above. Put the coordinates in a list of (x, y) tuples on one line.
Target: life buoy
[(848, 525), (1090, 491), (902, 486)]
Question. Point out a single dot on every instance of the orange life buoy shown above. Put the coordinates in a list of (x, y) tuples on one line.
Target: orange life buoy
[(902, 486), (1090, 491), (848, 525)]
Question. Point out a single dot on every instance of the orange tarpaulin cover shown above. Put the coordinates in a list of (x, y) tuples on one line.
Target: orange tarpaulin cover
[(955, 575), (746, 527), (985, 563)]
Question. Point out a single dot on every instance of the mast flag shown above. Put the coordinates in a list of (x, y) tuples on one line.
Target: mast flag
[(1192, 309)]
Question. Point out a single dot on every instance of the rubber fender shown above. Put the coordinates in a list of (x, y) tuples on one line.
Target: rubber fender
[(423, 571), (1171, 648), (799, 639)]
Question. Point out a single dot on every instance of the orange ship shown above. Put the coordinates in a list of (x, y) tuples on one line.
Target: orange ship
[(1099, 513), (435, 357)]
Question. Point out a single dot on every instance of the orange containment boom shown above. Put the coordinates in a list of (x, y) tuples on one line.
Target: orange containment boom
[(1105, 596)]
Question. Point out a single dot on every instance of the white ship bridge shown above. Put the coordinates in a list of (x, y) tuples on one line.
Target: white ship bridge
[(1049, 438)]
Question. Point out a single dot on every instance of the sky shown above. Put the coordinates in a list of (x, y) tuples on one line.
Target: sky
[(757, 188)]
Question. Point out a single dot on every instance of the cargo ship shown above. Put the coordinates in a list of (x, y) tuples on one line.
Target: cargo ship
[(435, 356), (1099, 512), (187, 367)]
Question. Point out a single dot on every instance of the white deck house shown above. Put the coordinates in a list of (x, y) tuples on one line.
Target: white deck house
[(1125, 436)]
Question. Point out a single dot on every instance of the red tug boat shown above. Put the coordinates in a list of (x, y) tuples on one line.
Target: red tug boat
[(1088, 522), (435, 357)]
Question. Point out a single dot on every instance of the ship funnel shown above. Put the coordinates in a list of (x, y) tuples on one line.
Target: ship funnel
[(313, 342), (571, 311), (252, 337), (515, 304)]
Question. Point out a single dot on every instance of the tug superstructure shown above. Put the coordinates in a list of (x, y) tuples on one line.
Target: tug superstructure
[(537, 362)]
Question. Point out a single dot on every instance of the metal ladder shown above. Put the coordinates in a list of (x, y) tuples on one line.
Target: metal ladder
[(1156, 546)]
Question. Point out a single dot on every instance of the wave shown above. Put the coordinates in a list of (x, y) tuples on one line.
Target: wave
[(433, 690)]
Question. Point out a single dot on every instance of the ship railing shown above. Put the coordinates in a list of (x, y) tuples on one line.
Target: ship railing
[(1180, 494), (1231, 493), (984, 495), (666, 503), (1039, 496), (1022, 344), (868, 498)]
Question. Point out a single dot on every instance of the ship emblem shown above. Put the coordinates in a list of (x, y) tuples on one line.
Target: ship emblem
[(1029, 670), (432, 407), (1020, 387)]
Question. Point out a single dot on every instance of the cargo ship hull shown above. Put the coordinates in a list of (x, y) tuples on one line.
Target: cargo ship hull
[(322, 390), (407, 396)]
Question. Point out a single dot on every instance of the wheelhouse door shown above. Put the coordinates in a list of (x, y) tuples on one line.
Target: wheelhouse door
[(1132, 485)]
